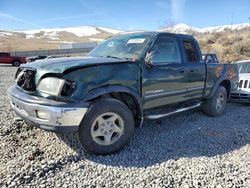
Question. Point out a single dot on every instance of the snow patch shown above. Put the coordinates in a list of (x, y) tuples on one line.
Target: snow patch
[(225, 27), (53, 33), (184, 28), (113, 31), (61, 41), (180, 28), (96, 39), (2, 34)]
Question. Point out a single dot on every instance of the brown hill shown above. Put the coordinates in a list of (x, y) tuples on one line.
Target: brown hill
[(228, 44)]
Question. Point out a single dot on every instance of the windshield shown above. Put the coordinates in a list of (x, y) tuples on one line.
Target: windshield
[(129, 46), (244, 67)]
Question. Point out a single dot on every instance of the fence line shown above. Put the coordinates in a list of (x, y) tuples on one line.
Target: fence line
[(63, 52)]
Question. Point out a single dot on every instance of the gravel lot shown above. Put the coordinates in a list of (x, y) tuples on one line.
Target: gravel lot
[(185, 150)]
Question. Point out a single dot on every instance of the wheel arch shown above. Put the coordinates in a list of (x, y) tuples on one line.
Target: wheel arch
[(122, 93), (223, 82), (227, 85)]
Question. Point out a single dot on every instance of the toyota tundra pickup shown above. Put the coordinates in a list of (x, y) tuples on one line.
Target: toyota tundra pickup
[(127, 78)]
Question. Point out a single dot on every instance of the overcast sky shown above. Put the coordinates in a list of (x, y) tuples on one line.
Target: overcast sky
[(118, 14)]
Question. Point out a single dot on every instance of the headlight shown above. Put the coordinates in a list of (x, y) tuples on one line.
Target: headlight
[(51, 85)]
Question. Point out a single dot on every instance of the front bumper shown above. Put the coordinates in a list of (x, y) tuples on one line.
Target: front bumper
[(47, 114), (240, 95)]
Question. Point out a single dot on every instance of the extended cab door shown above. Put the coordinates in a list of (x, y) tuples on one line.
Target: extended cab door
[(195, 68), (177, 73), (165, 81)]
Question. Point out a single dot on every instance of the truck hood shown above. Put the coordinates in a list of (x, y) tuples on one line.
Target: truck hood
[(59, 65)]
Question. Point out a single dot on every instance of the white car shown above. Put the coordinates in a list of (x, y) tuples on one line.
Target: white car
[(242, 94)]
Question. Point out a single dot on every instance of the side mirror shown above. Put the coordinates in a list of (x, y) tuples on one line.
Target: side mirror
[(150, 58), (209, 61)]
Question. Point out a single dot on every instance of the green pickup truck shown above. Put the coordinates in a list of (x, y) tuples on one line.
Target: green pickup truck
[(125, 79)]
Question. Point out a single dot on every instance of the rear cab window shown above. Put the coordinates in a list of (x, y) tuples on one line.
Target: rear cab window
[(190, 51)]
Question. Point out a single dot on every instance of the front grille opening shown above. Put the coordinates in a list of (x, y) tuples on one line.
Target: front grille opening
[(245, 97), (68, 89), (246, 83), (241, 83), (26, 79), (18, 72)]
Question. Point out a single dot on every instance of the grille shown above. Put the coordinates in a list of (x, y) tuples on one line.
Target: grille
[(26, 79), (243, 97), (244, 84)]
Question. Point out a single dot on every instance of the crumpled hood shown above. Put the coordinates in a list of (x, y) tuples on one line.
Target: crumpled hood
[(59, 65)]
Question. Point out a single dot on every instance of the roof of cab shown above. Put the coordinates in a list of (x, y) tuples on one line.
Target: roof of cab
[(157, 32)]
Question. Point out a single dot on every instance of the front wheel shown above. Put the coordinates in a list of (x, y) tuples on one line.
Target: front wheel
[(107, 127), (217, 104), (16, 63)]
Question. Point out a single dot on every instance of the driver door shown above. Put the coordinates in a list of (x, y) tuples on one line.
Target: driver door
[(165, 82)]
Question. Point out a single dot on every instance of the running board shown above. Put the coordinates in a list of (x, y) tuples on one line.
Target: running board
[(158, 116)]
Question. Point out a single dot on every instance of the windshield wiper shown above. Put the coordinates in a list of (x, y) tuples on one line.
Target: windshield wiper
[(114, 57), (109, 56)]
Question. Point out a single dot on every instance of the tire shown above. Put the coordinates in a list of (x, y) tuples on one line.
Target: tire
[(107, 127), (16, 63), (216, 105)]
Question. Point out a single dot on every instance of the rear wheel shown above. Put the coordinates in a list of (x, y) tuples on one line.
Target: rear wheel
[(217, 104), (16, 63), (107, 127)]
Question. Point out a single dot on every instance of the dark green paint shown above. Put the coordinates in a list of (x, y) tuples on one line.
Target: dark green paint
[(91, 78)]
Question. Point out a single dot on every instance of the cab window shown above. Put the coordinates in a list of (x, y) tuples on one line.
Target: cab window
[(166, 50)]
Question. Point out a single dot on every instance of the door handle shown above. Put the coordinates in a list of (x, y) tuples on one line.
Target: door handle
[(182, 71), (192, 70)]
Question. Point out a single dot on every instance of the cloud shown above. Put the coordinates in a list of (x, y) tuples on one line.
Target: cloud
[(9, 16), (178, 9), (72, 17)]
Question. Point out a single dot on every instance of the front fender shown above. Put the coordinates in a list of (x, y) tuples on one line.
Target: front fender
[(93, 94)]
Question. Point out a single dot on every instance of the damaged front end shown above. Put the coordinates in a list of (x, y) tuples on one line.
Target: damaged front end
[(25, 78), (44, 103)]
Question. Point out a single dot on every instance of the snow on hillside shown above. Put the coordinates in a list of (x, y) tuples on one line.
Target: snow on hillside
[(92, 32), (179, 28), (96, 39), (114, 31), (82, 31), (224, 27), (5, 33), (52, 33), (184, 28)]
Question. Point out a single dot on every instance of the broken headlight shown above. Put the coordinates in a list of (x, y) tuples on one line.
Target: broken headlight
[(56, 86)]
